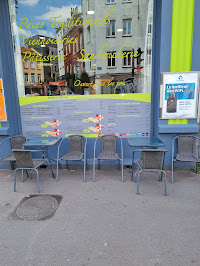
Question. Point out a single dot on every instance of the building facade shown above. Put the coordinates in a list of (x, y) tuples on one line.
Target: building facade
[(175, 48), (33, 73), (121, 37)]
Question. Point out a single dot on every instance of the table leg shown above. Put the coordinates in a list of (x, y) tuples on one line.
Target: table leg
[(132, 167), (46, 156)]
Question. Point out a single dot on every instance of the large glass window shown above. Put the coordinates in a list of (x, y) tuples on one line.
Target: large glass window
[(95, 44)]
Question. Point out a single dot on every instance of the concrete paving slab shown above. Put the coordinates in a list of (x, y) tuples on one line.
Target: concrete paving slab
[(104, 223)]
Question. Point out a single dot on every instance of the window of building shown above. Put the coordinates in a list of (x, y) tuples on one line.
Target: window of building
[(127, 60), (70, 67), (111, 59), (26, 78), (127, 28), (81, 41), (77, 46), (74, 67), (110, 1), (32, 65), (74, 48), (32, 78), (39, 78), (39, 65), (111, 29), (88, 34), (26, 64), (69, 48), (126, 1)]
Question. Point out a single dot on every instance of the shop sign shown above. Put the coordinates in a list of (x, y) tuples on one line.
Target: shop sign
[(3, 116), (179, 95), (57, 83)]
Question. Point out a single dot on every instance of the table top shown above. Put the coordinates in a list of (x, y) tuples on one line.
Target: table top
[(145, 142), (42, 141)]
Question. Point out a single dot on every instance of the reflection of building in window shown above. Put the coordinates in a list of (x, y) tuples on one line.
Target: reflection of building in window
[(88, 34), (32, 78), (32, 65), (110, 1), (111, 59), (127, 61), (26, 78), (49, 49), (39, 78), (111, 29), (72, 50), (127, 28), (128, 24)]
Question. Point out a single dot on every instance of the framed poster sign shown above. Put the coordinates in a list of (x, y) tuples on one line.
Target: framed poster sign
[(179, 95), (3, 115)]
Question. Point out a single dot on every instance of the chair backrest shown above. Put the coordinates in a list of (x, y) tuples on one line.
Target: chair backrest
[(23, 158), (186, 144), (109, 143), (76, 143), (17, 142), (152, 159)]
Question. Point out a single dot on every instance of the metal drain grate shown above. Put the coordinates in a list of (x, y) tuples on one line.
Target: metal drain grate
[(37, 207)]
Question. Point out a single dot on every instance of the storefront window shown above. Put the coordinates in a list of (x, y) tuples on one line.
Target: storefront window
[(91, 63), (90, 41)]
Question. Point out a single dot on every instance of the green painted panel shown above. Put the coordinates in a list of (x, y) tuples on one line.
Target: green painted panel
[(178, 122), (182, 35)]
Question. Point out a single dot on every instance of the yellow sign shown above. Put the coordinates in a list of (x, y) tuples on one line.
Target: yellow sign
[(3, 116)]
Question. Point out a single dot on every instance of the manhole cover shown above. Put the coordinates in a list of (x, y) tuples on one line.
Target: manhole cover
[(37, 207)]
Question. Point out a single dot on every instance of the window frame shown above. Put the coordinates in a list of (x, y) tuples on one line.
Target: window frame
[(127, 34), (127, 59), (110, 3), (111, 60), (109, 26)]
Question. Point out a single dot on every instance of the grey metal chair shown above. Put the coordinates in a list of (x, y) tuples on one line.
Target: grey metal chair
[(152, 161), (16, 142), (77, 151), (25, 162), (109, 144), (186, 151)]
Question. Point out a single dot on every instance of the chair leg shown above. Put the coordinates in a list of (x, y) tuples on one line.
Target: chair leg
[(67, 166), (122, 166), (27, 174), (57, 172), (136, 175), (132, 168), (138, 180), (172, 178), (118, 164), (98, 164), (22, 175), (15, 180), (38, 188), (94, 170), (196, 168), (85, 163), (12, 165), (165, 182)]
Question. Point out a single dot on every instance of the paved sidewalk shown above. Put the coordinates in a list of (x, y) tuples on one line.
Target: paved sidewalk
[(104, 223)]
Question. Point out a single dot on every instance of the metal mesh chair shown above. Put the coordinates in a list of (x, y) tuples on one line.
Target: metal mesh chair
[(76, 151), (152, 161), (16, 142), (186, 151), (25, 162), (108, 152)]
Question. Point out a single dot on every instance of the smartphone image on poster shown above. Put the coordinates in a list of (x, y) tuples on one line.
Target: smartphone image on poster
[(171, 103)]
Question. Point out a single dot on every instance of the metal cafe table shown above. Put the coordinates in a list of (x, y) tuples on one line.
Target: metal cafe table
[(143, 142), (44, 143)]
